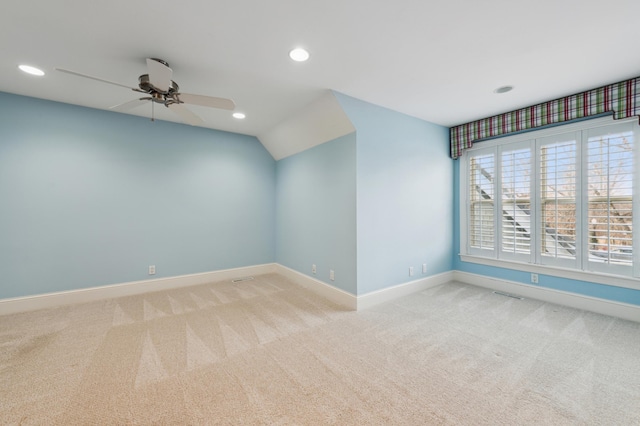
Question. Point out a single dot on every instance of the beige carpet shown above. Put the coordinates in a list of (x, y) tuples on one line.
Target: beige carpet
[(268, 352)]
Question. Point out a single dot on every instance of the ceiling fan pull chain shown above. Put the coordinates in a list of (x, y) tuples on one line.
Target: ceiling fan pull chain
[(153, 118)]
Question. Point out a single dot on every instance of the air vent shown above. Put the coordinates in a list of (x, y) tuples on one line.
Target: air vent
[(239, 280), (508, 295)]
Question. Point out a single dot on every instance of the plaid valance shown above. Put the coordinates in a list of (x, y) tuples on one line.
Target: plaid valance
[(622, 99)]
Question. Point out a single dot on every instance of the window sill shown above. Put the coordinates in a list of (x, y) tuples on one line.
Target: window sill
[(572, 274)]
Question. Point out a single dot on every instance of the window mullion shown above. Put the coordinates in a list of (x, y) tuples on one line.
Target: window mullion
[(535, 200), (498, 211), (635, 206), (582, 199)]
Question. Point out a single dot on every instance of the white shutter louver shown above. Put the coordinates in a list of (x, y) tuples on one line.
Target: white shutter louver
[(610, 198), (516, 201), (482, 196), (558, 199)]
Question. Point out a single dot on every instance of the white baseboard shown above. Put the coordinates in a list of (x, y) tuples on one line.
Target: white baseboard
[(341, 297), (365, 301), (377, 297), (51, 300), (578, 301)]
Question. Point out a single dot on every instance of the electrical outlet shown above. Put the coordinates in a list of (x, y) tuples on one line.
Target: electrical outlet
[(332, 275), (534, 278), (424, 268), (152, 269), (410, 271), (313, 269)]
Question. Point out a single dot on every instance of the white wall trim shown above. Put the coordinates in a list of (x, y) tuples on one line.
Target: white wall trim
[(341, 297), (92, 294), (572, 274), (364, 301), (378, 297), (578, 301)]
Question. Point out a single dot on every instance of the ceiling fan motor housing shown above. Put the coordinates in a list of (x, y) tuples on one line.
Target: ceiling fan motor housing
[(158, 95), (162, 61)]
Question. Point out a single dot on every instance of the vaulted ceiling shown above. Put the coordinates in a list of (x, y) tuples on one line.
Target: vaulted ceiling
[(439, 61)]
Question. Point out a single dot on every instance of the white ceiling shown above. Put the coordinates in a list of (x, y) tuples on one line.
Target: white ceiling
[(436, 60)]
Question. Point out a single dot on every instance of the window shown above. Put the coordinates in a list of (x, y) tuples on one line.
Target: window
[(558, 175), (482, 205), (562, 197), (515, 238), (609, 203)]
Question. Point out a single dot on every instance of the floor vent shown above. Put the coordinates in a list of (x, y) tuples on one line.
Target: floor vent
[(508, 295), (239, 280)]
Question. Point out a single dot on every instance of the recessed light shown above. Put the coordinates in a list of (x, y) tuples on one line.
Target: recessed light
[(503, 89), (299, 54), (31, 70), (238, 115)]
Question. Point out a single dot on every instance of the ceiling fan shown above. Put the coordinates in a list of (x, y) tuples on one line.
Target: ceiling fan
[(159, 87)]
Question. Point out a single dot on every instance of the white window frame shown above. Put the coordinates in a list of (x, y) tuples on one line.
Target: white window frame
[(578, 270)]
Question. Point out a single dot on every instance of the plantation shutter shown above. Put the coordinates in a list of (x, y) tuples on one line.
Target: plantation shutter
[(481, 191), (610, 169), (564, 198), (516, 203), (558, 197)]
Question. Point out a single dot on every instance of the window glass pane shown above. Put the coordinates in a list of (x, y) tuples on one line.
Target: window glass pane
[(516, 201), (481, 194), (610, 184), (558, 199)]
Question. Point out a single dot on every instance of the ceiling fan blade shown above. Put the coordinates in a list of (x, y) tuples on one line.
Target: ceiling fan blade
[(79, 74), (159, 75), (208, 101), (126, 106), (186, 115)]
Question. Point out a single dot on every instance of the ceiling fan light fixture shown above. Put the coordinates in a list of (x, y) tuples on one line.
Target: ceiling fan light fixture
[(239, 115), (299, 54), (31, 70)]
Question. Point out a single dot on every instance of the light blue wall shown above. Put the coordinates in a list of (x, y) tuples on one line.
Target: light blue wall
[(404, 196), (547, 281), (316, 212), (89, 198)]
